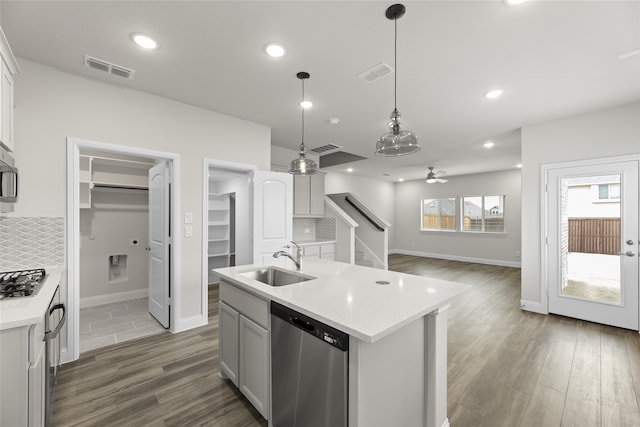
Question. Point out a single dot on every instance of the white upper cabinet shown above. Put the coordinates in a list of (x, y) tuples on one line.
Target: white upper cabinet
[(9, 68), (308, 196)]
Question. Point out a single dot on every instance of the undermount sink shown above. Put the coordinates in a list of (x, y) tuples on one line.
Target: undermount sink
[(274, 276)]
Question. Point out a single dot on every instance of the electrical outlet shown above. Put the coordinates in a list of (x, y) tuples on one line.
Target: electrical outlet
[(518, 254), (188, 217), (188, 231), (307, 230)]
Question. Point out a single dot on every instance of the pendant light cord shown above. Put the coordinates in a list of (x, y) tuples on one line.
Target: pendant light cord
[(395, 62), (301, 105)]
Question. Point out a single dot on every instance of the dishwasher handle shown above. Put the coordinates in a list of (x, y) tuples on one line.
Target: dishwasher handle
[(302, 324)]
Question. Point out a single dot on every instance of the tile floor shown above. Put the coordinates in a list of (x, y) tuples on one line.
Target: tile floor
[(107, 324)]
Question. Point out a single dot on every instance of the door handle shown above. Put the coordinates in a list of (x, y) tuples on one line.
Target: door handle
[(628, 253)]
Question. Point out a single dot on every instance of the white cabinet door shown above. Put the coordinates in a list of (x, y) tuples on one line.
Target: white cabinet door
[(228, 343), (37, 392), (301, 194), (308, 195), (316, 195), (6, 94), (254, 364)]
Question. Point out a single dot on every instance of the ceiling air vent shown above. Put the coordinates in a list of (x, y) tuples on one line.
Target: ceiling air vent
[(323, 149), (373, 74), (108, 67)]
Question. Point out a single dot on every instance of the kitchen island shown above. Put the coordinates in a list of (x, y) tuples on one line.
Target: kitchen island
[(397, 326)]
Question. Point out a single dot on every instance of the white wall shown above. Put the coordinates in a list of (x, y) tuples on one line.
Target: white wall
[(377, 195), (52, 105), (584, 203), (500, 249), (610, 132), (108, 228)]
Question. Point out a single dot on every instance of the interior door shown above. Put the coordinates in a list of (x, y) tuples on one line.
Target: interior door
[(272, 214), (593, 232), (159, 243)]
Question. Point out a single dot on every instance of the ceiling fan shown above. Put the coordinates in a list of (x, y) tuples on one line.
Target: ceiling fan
[(432, 178)]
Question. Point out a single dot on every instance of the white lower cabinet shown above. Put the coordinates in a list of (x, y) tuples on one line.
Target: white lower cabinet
[(254, 364), (244, 344), (322, 251), (22, 376), (229, 335)]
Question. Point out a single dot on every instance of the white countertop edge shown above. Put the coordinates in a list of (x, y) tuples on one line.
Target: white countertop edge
[(26, 311), (312, 242)]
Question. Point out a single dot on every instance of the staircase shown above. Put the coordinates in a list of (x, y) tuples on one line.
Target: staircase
[(370, 242)]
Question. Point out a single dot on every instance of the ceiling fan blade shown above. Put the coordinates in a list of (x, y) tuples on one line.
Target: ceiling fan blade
[(441, 181), (441, 172)]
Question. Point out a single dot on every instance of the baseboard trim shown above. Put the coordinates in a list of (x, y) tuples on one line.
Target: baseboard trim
[(111, 298), (499, 262), (188, 323), (533, 306)]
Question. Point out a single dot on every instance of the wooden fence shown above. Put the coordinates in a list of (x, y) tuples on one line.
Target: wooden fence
[(594, 235)]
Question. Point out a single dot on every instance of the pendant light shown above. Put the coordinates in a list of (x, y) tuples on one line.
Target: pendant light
[(302, 165), (397, 142)]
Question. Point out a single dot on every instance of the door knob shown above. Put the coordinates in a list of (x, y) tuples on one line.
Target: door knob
[(628, 253), (629, 242)]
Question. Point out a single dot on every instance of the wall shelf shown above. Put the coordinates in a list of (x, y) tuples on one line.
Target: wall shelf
[(218, 244), (109, 174)]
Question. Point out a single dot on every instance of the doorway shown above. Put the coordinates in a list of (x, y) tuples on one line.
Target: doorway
[(119, 264), (592, 240)]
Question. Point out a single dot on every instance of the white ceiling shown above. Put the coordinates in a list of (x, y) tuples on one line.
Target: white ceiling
[(552, 58)]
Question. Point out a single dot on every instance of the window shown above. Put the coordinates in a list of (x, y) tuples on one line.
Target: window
[(483, 214), (609, 192), (439, 214)]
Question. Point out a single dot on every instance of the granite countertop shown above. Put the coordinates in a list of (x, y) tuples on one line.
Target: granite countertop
[(25, 311), (348, 298)]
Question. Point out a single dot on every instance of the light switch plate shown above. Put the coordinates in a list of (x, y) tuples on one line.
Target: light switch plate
[(188, 217), (188, 231)]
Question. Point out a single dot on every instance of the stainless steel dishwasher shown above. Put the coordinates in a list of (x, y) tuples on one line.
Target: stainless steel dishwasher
[(309, 371)]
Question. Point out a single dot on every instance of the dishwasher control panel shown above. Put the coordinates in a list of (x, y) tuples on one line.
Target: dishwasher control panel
[(320, 330)]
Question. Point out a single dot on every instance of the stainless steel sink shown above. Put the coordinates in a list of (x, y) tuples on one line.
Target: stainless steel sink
[(274, 276)]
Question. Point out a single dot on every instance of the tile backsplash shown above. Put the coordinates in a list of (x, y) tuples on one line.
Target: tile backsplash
[(319, 229), (32, 242)]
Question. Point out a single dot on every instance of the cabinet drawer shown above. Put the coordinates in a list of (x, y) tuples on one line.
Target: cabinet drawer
[(252, 307), (327, 248), (311, 250)]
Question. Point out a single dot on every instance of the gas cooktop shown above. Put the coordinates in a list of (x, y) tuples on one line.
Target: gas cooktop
[(21, 283)]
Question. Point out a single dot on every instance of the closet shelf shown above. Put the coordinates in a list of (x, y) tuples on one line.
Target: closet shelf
[(219, 254)]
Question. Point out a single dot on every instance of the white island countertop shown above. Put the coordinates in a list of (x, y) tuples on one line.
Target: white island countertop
[(348, 298), (25, 311)]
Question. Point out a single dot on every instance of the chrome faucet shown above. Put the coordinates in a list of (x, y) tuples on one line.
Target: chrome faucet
[(298, 258)]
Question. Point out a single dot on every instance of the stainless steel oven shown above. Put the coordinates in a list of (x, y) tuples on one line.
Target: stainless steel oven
[(54, 320), (8, 181)]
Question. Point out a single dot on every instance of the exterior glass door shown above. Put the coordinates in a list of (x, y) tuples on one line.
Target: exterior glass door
[(593, 242)]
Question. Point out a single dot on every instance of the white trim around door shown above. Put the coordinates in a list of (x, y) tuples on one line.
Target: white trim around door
[(555, 255), (74, 145)]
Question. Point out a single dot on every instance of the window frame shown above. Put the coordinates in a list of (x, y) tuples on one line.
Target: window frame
[(483, 211), (440, 229)]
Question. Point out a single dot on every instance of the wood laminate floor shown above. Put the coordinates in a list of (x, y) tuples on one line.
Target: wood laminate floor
[(507, 367)]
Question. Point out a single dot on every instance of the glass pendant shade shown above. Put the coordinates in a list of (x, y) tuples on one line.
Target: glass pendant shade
[(397, 142), (302, 165)]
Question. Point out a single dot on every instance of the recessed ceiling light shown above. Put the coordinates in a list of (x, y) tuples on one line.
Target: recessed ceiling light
[(306, 104), (519, 165), (493, 94), (275, 50), (514, 2), (489, 144), (334, 120), (400, 179), (144, 41)]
